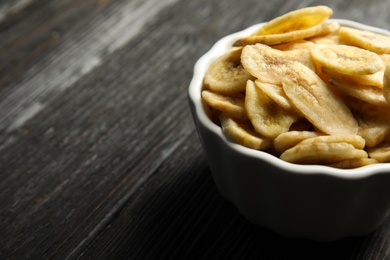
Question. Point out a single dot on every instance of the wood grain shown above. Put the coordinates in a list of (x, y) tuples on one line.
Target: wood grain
[(99, 156)]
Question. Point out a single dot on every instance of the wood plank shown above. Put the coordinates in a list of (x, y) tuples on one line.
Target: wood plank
[(9, 8)]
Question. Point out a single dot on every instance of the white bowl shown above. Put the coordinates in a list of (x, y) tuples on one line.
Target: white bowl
[(295, 201)]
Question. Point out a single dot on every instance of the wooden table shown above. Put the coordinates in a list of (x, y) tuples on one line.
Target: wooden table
[(99, 156)]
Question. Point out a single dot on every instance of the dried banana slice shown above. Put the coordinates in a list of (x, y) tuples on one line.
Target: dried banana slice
[(353, 163), (329, 28), (364, 39), (347, 59), (322, 107), (375, 79), (276, 93), (381, 152), (265, 63), (267, 117), (300, 19), (370, 94), (273, 39), (386, 84), (356, 140), (289, 139), (226, 74), (270, 65), (374, 121), (322, 153), (231, 105), (301, 56), (294, 45), (243, 133)]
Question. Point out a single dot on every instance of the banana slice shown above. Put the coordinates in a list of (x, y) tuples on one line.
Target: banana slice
[(264, 63), (370, 94), (273, 39), (386, 84), (353, 163), (267, 117), (300, 19), (289, 139), (347, 59), (322, 107), (375, 79), (356, 140), (231, 105), (276, 93), (322, 153), (243, 133), (364, 39), (226, 74), (381, 152)]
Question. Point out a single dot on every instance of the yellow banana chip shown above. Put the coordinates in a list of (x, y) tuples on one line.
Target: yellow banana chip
[(273, 39), (294, 45), (322, 153), (264, 63), (322, 107), (226, 74), (328, 28), (231, 105), (353, 163), (375, 79), (276, 93), (289, 139), (381, 152), (370, 94), (267, 117), (347, 59), (300, 19), (364, 39), (386, 84), (241, 133), (356, 140), (374, 121)]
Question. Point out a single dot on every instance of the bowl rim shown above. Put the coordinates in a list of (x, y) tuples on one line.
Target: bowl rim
[(194, 96)]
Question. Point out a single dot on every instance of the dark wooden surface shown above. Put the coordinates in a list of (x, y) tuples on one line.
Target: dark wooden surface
[(99, 156)]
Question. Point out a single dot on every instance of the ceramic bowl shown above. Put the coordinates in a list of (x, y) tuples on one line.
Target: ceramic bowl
[(296, 201)]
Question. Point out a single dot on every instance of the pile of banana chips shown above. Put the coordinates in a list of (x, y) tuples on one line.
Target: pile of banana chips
[(307, 90)]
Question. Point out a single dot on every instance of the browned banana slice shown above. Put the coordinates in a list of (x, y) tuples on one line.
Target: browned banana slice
[(347, 59), (322, 153), (322, 107), (231, 105), (364, 39), (243, 133), (267, 117), (226, 74)]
